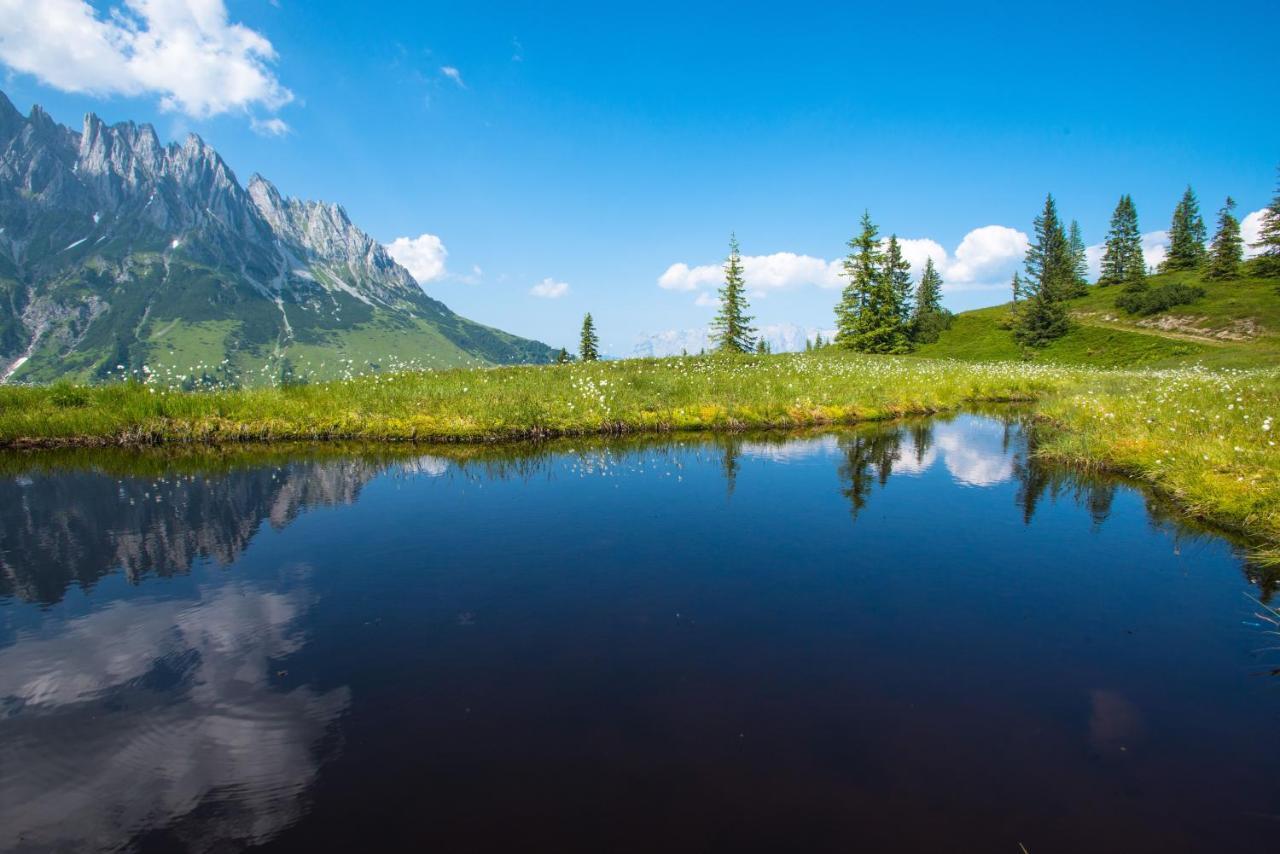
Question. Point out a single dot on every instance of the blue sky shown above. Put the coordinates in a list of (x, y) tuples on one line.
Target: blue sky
[(595, 146)]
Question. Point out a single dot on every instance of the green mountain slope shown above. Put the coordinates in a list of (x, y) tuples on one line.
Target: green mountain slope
[(1236, 324), (124, 257)]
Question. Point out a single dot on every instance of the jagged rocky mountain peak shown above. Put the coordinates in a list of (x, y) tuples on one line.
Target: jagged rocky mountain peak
[(112, 240)]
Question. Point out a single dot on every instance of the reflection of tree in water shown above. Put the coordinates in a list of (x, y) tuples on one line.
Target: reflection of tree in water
[(867, 458)]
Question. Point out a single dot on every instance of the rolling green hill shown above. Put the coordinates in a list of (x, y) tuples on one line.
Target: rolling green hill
[(1235, 325)]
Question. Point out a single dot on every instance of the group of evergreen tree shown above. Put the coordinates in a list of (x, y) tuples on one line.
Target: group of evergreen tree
[(879, 310)]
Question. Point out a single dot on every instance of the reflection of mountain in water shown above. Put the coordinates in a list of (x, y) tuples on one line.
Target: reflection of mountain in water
[(160, 715), (66, 527)]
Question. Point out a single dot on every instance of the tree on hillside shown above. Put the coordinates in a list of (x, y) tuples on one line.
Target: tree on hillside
[(861, 266), (731, 327), (1122, 260), (1269, 236), (1049, 275), (930, 317), (1186, 236), (1016, 287), (562, 357), (589, 346), (1079, 260), (762, 346), (1227, 250), (883, 321)]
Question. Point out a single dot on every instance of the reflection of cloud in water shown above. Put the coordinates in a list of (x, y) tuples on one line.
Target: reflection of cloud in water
[(425, 465), (972, 450), (792, 449), (145, 713)]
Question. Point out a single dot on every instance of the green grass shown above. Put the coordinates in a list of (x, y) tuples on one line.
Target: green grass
[(1202, 438), (1235, 325)]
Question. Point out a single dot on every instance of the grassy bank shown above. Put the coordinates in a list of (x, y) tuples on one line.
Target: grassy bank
[(1205, 439), (522, 402)]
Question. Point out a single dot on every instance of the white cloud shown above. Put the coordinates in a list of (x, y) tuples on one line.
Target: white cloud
[(423, 256), (707, 299), (184, 51), (268, 127), (762, 272), (985, 259), (1251, 230), (453, 74), (549, 288)]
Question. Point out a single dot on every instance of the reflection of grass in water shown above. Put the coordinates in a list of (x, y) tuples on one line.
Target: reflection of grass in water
[(1204, 439)]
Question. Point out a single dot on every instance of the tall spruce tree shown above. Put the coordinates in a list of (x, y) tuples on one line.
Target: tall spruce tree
[(731, 327), (861, 267), (881, 325), (1079, 260), (588, 342), (1269, 236), (1050, 274), (1227, 250), (1186, 235), (1122, 260)]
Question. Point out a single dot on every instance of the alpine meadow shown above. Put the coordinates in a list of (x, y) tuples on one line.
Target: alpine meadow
[(715, 429)]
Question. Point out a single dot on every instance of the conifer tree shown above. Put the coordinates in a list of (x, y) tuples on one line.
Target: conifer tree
[(562, 356), (1049, 275), (1016, 287), (731, 327), (1123, 261), (929, 291), (762, 346), (1227, 250), (1186, 235), (1079, 260), (1269, 236), (589, 345), (883, 322), (861, 266), (930, 317)]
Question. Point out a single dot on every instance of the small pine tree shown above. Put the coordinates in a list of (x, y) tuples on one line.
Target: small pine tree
[(861, 267), (1227, 250), (562, 356), (1186, 235), (1043, 318), (1016, 287), (1123, 261), (1079, 260), (731, 327), (1269, 237), (762, 346), (930, 317), (589, 344)]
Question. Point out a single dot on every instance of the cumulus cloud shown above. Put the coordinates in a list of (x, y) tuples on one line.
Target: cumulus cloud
[(453, 74), (549, 288), (986, 258), (186, 52), (1251, 231), (423, 256), (763, 273)]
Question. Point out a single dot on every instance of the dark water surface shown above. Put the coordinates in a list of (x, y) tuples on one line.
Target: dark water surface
[(903, 638)]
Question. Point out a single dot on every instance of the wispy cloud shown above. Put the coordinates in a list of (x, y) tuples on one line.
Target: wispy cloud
[(549, 288), (186, 52), (453, 74)]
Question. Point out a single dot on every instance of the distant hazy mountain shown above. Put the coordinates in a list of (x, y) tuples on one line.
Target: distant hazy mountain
[(118, 250), (782, 338)]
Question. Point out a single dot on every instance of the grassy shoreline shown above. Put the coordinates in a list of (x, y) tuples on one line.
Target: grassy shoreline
[(1202, 438)]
